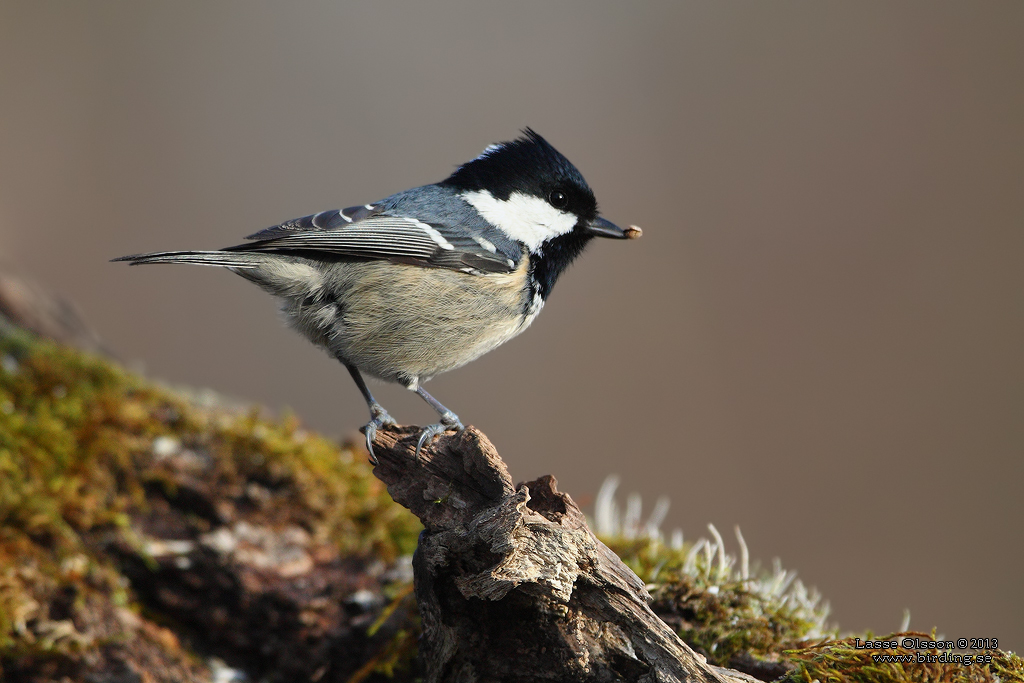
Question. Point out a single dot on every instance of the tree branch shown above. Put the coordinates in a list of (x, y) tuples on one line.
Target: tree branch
[(513, 585)]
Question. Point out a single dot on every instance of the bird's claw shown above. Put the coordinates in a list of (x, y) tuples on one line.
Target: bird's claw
[(449, 420), (378, 418)]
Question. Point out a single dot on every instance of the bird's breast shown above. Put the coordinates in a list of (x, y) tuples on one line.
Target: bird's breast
[(400, 322)]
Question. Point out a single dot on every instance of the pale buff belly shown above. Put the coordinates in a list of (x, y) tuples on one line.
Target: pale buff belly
[(406, 323)]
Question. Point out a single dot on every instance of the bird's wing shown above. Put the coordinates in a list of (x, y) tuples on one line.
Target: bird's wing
[(325, 220), (374, 232)]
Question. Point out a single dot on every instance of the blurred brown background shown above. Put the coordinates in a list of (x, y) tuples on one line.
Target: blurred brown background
[(818, 338)]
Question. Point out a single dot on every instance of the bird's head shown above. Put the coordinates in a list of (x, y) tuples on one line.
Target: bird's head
[(535, 196)]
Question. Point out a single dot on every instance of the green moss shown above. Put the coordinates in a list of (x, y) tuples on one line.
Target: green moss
[(771, 618), (79, 466), (840, 661), (715, 611), (77, 436)]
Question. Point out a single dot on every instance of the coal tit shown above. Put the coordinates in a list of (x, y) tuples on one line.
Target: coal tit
[(428, 279)]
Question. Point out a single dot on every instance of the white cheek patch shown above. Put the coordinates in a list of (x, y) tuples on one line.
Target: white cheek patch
[(525, 218)]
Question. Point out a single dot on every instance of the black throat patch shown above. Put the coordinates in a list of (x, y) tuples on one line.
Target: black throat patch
[(555, 256)]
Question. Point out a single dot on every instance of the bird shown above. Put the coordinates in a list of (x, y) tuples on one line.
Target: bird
[(427, 279)]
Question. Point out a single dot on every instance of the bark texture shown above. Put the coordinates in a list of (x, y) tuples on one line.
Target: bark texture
[(512, 584)]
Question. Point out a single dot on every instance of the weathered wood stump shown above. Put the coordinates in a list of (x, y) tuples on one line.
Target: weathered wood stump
[(512, 585)]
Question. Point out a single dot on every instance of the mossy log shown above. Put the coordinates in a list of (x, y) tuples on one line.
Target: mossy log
[(146, 535), (512, 584)]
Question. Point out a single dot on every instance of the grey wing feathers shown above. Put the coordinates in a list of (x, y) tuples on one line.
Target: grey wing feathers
[(448, 233), (202, 258), (325, 220), (365, 232)]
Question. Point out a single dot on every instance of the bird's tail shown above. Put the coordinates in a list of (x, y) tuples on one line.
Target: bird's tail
[(227, 259)]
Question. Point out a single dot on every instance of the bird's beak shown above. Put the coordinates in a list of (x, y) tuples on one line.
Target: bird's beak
[(599, 227)]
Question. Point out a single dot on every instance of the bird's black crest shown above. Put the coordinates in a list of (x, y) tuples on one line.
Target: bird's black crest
[(528, 164)]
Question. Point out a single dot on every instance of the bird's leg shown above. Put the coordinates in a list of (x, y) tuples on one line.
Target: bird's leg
[(378, 416), (448, 419)]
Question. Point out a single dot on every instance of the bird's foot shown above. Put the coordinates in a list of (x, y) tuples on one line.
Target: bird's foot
[(449, 420), (378, 418)]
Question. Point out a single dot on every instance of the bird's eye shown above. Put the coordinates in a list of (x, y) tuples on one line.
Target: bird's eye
[(558, 199)]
